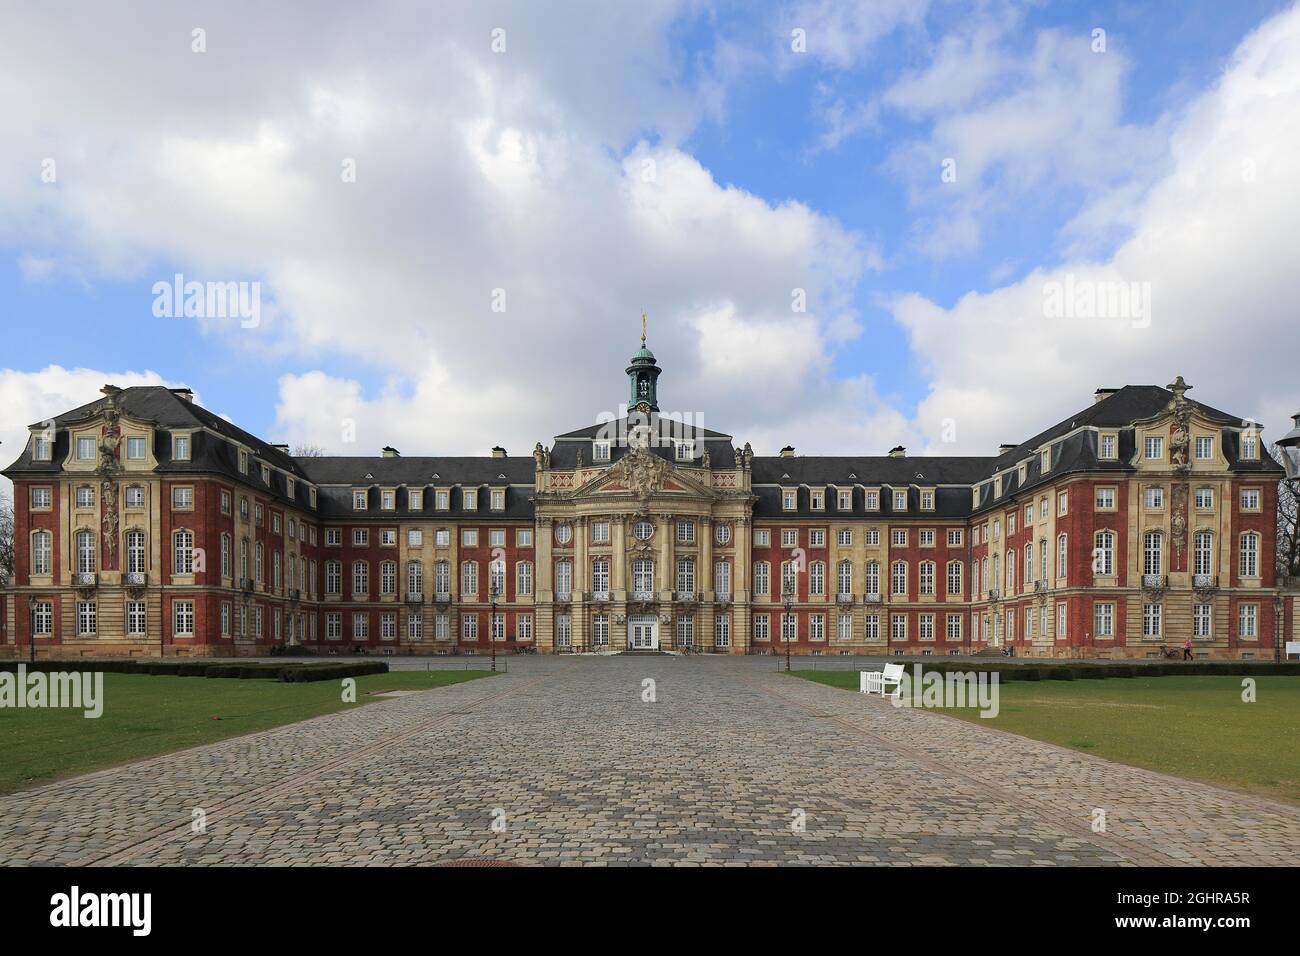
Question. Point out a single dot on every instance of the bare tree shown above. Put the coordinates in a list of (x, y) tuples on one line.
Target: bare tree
[(6, 539), (1288, 523), (308, 451)]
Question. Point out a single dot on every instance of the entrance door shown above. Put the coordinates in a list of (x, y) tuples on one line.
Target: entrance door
[(643, 633)]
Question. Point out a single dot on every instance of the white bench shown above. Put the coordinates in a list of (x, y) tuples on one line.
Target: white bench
[(877, 682)]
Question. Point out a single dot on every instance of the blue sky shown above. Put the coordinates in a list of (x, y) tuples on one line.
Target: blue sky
[(516, 165)]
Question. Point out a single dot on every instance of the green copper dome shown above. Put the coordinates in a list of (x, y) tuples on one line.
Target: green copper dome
[(643, 356), (643, 376)]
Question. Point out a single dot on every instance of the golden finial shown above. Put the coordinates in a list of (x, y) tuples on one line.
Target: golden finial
[(643, 327)]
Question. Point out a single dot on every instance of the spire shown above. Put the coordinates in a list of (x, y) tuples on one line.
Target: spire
[(643, 376)]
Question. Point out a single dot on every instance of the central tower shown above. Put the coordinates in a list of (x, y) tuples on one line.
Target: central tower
[(643, 378)]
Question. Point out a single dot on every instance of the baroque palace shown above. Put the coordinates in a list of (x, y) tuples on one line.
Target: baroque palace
[(145, 524)]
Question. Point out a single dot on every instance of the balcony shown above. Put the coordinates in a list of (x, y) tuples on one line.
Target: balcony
[(1040, 586), (598, 597), (683, 597), (85, 579), (871, 597), (843, 597), (563, 597), (722, 597), (414, 597), (441, 597), (644, 597), (135, 579), (1154, 582), (1205, 582)]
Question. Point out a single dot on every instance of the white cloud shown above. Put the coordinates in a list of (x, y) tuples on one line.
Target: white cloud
[(522, 172), (30, 397), (1215, 240)]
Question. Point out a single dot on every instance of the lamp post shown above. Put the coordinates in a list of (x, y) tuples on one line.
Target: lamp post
[(31, 627), (1289, 445), (787, 601), (494, 595)]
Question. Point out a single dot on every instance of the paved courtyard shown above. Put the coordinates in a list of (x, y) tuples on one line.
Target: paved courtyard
[(561, 761)]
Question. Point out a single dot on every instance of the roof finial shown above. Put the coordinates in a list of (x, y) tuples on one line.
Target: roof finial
[(643, 326)]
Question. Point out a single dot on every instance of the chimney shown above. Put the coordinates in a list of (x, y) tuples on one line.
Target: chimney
[(391, 452), (787, 451), (498, 451), (1102, 394), (898, 451), (185, 393), (1004, 448)]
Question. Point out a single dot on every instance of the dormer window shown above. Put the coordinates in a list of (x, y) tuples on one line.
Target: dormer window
[(469, 499), (1204, 448), (442, 499), (900, 500), (997, 487), (975, 497), (600, 451), (243, 462), (1109, 447), (415, 499), (135, 448), (1022, 473), (311, 496), (1045, 460), (266, 474), (1249, 446), (86, 449), (817, 500), (42, 448), (927, 500), (180, 447), (498, 499), (1154, 449), (789, 499), (844, 499), (685, 450), (388, 499), (360, 499), (289, 486)]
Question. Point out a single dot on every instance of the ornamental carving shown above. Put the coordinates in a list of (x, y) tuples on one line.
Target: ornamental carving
[(110, 465), (1178, 519), (641, 471), (1181, 439)]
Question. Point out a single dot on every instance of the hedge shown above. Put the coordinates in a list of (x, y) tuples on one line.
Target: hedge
[(247, 670)]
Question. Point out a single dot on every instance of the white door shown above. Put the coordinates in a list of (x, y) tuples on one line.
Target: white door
[(644, 634)]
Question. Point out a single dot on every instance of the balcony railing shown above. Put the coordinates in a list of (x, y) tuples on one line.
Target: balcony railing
[(1154, 581), (684, 597), (135, 579), (1203, 581), (414, 597), (1040, 586), (599, 597), (643, 596), (871, 597), (722, 597), (441, 597), (843, 597), (563, 597), (85, 579)]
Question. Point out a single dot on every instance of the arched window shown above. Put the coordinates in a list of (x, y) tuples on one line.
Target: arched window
[(183, 552), (360, 577), (817, 578), (1103, 563), (873, 577), (1153, 552), (414, 577), (563, 578), (1250, 555), (1203, 553), (899, 577), (1062, 550), (954, 577), (87, 556), (1011, 571), (926, 576), (442, 577), (497, 577), (42, 553), (387, 577), (524, 577), (469, 577), (333, 577), (844, 576), (135, 542), (686, 575)]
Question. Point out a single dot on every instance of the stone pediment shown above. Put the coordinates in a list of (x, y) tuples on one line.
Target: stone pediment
[(643, 475)]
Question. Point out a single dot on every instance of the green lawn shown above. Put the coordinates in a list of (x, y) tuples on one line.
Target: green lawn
[(1196, 727), (145, 716)]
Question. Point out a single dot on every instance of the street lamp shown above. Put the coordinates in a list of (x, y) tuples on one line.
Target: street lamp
[(787, 600), (1289, 445), (494, 595)]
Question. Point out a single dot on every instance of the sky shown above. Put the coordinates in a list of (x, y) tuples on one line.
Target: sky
[(851, 224)]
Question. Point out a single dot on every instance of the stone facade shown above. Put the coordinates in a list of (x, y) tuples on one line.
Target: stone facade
[(145, 525)]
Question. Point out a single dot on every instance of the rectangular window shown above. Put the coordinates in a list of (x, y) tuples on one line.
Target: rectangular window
[(498, 499), (1109, 443), (86, 449), (1062, 502), (360, 500), (1204, 448), (1103, 620), (87, 618), (524, 538), (469, 537), (1154, 448), (789, 499), (360, 537), (414, 538), (600, 451), (1155, 498), (1202, 620), (1152, 620), (469, 499), (183, 617), (844, 537), (762, 627), (41, 499), (1250, 499), (900, 500), (183, 498), (42, 449), (1105, 499), (762, 538), (1248, 621), (387, 500), (135, 448), (415, 499)]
